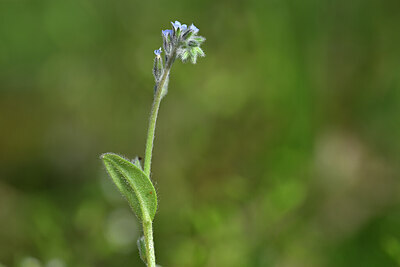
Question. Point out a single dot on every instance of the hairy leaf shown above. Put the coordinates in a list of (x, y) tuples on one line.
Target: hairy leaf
[(133, 184)]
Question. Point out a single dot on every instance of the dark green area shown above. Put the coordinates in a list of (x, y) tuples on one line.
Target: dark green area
[(280, 148)]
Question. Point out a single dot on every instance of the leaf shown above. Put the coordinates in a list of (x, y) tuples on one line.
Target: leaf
[(134, 185)]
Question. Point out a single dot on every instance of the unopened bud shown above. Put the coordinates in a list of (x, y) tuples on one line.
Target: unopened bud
[(141, 244), (167, 41), (158, 67)]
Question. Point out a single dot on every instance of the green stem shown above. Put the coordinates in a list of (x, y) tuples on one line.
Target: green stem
[(148, 237), (153, 118), (147, 223)]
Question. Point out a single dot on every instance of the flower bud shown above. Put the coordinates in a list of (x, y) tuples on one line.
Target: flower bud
[(176, 28), (158, 67), (141, 244), (167, 41)]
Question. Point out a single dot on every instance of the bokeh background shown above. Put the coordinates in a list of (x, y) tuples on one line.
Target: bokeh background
[(280, 148)]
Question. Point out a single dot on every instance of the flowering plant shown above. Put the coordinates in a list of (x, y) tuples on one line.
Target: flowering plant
[(133, 180)]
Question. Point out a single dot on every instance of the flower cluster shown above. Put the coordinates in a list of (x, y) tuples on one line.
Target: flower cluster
[(183, 41), (179, 42)]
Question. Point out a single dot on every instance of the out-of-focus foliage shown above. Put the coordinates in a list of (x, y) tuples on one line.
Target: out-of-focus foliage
[(280, 148)]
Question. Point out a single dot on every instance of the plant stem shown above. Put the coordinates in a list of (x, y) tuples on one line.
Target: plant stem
[(148, 237), (153, 117), (147, 223)]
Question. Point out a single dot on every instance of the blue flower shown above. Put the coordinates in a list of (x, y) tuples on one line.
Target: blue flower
[(193, 29), (176, 25), (167, 32), (158, 52)]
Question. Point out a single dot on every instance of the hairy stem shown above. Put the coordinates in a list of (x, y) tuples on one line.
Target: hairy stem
[(148, 238), (147, 223), (153, 117)]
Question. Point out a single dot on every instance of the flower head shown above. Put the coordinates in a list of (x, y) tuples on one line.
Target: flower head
[(182, 42)]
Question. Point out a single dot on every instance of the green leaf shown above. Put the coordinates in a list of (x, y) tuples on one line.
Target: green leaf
[(133, 184)]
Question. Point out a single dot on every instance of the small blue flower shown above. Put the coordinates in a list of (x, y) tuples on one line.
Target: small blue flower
[(167, 32), (158, 52), (176, 25), (194, 29)]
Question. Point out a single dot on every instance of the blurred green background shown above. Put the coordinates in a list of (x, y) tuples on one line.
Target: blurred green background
[(280, 148)]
